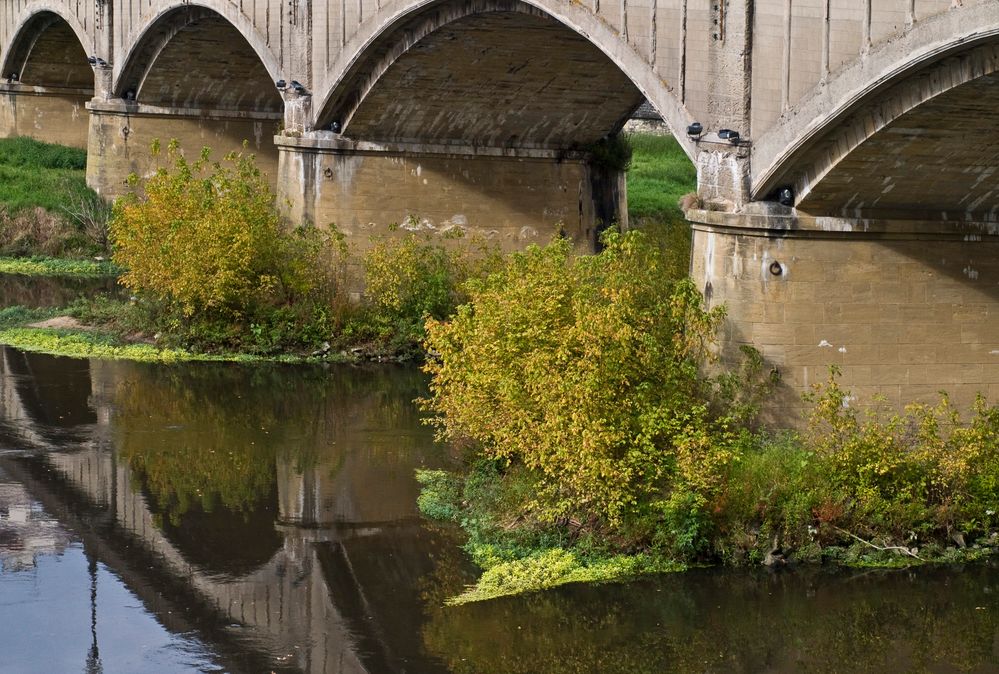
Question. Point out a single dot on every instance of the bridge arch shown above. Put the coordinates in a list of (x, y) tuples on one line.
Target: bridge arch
[(49, 49), (898, 105), (175, 61), (392, 36)]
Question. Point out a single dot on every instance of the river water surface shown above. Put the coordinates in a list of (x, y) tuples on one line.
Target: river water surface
[(234, 518)]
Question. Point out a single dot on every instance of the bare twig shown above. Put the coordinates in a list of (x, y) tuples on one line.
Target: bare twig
[(92, 214), (897, 548)]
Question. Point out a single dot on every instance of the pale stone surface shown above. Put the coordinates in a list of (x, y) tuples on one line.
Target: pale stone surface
[(507, 201), (903, 315), (121, 141)]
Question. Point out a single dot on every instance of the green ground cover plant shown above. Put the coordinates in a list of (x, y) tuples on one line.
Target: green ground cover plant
[(88, 343), (55, 266)]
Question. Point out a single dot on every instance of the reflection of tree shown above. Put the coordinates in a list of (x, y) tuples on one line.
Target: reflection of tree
[(193, 444), (48, 291), (719, 621), (210, 436)]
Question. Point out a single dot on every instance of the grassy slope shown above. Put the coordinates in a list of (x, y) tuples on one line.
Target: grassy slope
[(660, 174), (35, 174)]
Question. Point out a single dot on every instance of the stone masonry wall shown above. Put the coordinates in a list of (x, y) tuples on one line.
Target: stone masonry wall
[(903, 317), (120, 143), (510, 201), (53, 118)]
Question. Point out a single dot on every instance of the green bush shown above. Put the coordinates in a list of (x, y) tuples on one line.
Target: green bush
[(926, 470), (411, 278), (612, 152), (585, 372), (204, 237), (440, 494), (905, 480), (214, 265), (575, 387), (773, 495)]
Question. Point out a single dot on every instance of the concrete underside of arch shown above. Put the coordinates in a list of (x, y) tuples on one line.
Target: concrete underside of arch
[(939, 158), (121, 135), (905, 308), (507, 197)]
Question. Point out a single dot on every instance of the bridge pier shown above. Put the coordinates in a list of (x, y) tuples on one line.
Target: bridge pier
[(904, 308), (512, 197), (54, 115), (121, 134)]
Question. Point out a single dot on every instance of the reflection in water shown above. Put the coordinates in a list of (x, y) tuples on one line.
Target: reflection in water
[(26, 531), (807, 620), (61, 610), (262, 497), (42, 291), (255, 519)]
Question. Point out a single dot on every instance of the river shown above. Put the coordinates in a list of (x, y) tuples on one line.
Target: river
[(257, 518)]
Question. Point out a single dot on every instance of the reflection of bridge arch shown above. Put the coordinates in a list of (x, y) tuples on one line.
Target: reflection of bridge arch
[(341, 584), (322, 598), (38, 413)]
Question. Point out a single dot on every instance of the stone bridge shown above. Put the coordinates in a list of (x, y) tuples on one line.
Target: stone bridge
[(855, 205)]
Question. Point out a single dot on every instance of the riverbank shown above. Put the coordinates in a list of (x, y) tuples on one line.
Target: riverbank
[(181, 312), (784, 502), (40, 265), (54, 331)]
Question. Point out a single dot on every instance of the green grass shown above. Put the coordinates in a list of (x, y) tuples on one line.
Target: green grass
[(12, 317), (660, 174), (53, 266), (35, 174), (28, 152)]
